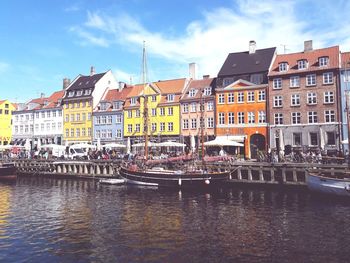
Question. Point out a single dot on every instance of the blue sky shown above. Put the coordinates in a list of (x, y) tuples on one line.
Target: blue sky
[(42, 42)]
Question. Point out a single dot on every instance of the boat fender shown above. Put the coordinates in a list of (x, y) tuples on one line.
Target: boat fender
[(180, 181), (207, 181)]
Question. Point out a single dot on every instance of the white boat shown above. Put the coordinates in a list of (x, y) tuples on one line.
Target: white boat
[(115, 181), (339, 186)]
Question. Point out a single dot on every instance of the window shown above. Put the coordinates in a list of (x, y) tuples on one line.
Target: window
[(170, 126), (312, 116), (251, 117), (277, 101), (331, 138), (133, 101), (53, 126), (329, 116), (302, 64), (256, 78), (261, 95), (89, 116), (240, 117), (89, 132), (162, 111), (43, 114), (129, 113), (118, 133), (295, 100), (170, 111), (137, 127), (59, 125), (98, 134), (296, 117), (83, 116), (240, 97), (328, 78), (154, 112), (67, 118), (277, 83), (109, 119), (210, 105), (71, 94), (137, 113), (311, 80), (192, 93), (228, 81), (185, 124), (77, 104), (207, 91), (103, 106), (67, 132), (221, 118), (54, 113), (77, 132), (313, 138), (230, 98), (104, 119), (71, 132), (36, 115), (323, 61), (170, 97), (109, 133), (296, 139), (262, 116), (67, 105), (185, 108), (153, 127), (129, 128), (210, 122), (36, 128), (221, 98), (103, 134), (117, 105), (193, 107), (328, 97), (79, 92), (154, 98), (118, 118), (193, 123), (231, 118), (311, 98), (162, 126), (294, 82), (87, 92), (283, 66), (78, 117), (251, 96), (72, 117)]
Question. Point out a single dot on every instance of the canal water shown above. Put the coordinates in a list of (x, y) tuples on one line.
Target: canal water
[(53, 220)]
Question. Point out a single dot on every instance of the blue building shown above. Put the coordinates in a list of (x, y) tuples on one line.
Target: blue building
[(344, 93), (108, 119)]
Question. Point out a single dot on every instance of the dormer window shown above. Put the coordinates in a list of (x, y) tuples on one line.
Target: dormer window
[(71, 94), (79, 92), (46, 102), (170, 97), (103, 106), (87, 92), (283, 66), (133, 101), (302, 64), (207, 91), (323, 61), (192, 93)]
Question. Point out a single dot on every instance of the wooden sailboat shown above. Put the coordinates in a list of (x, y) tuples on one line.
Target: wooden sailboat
[(187, 177)]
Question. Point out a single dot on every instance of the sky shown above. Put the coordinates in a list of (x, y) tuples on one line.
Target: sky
[(42, 42)]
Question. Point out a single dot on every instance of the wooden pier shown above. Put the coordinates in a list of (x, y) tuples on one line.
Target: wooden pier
[(241, 172)]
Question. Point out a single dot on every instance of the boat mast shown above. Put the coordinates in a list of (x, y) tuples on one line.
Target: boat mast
[(145, 106), (202, 122)]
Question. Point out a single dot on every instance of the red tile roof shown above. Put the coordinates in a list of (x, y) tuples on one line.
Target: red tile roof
[(198, 84), (116, 94), (312, 58), (172, 86), (345, 60)]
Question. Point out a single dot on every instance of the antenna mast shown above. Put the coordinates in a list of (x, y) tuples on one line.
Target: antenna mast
[(145, 98)]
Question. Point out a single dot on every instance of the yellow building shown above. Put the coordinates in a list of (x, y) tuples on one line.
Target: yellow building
[(6, 109), (163, 106), (81, 97)]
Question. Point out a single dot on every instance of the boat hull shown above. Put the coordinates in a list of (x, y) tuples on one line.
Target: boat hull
[(173, 180), (327, 185), (7, 171)]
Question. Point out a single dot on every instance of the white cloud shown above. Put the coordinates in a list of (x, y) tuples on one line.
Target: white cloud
[(4, 67), (220, 31), (89, 38), (123, 76)]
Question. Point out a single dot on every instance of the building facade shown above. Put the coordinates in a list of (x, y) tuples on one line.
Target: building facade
[(304, 99), (241, 115), (108, 117), (198, 110), (81, 96), (6, 109)]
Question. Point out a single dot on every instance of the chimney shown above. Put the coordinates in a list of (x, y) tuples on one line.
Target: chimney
[(252, 46), (66, 83), (206, 76), (193, 70), (42, 95), (92, 71), (121, 85), (307, 45)]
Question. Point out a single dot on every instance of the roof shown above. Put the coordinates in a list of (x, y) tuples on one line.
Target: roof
[(243, 62), (311, 56), (85, 82), (172, 86), (53, 99), (116, 94), (345, 59), (198, 84)]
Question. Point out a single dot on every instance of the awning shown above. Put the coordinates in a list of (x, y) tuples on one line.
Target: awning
[(223, 141)]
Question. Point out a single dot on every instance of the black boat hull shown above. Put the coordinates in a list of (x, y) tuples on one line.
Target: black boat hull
[(7, 171), (173, 180)]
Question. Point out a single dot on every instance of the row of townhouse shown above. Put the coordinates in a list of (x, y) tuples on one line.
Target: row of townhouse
[(259, 98)]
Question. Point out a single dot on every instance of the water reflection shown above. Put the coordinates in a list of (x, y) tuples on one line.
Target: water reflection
[(66, 220)]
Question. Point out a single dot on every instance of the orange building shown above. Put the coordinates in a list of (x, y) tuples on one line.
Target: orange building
[(241, 115)]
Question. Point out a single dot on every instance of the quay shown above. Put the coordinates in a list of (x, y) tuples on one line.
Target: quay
[(244, 172)]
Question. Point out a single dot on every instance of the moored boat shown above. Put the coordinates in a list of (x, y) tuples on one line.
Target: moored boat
[(114, 181), (335, 185), (7, 170)]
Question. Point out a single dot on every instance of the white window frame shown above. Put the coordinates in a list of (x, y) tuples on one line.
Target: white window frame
[(251, 96), (329, 116), (294, 82), (312, 117), (277, 83), (328, 97), (327, 78), (295, 100), (311, 98), (277, 101), (240, 117), (283, 66), (295, 118), (311, 80)]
